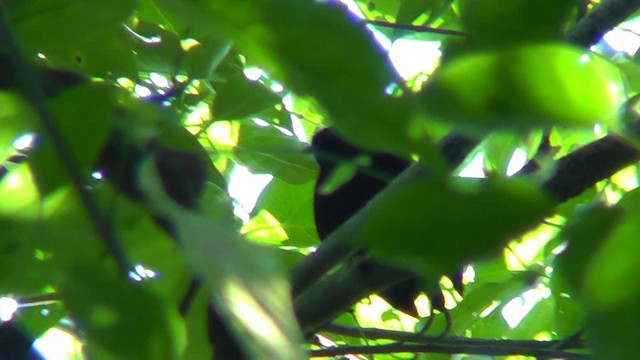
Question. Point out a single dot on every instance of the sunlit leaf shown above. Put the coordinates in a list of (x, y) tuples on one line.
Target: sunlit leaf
[(110, 309), (492, 23), (239, 277), (330, 56), (526, 87), (85, 116), (445, 223), (44, 25), (265, 149), (610, 279), (17, 118), (240, 97), (292, 206)]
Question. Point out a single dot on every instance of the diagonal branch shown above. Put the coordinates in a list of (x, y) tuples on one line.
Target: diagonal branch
[(591, 28), (573, 174)]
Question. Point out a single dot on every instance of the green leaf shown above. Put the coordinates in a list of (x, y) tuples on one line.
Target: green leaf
[(240, 97), (107, 56), (485, 293), (17, 117), (19, 194), (613, 331), (21, 259), (66, 236), (444, 222), (411, 9), (38, 318), (198, 345), (610, 279), (498, 150), (584, 233), (243, 278), (330, 56), (85, 115), (148, 245), (110, 309), (158, 51), (292, 206), (491, 23), (500, 89), (203, 58), (265, 149), (47, 25)]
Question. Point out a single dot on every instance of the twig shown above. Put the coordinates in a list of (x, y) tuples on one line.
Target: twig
[(417, 28), (411, 343), (28, 82), (450, 344), (478, 347)]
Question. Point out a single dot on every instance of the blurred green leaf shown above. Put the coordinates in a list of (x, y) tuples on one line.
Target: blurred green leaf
[(498, 150), (492, 23), (239, 97), (198, 345), (330, 56), (38, 318), (432, 212), (108, 56), (85, 115), (526, 87), (584, 234), (610, 279), (238, 275), (17, 118), (66, 236), (265, 149), (46, 25), (158, 49), (110, 309), (24, 270), (411, 9), (292, 206), (613, 331)]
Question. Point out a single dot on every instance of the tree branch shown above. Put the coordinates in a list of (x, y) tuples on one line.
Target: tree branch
[(591, 28), (584, 167), (334, 294)]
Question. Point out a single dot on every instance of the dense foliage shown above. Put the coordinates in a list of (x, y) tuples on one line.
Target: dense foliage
[(125, 125)]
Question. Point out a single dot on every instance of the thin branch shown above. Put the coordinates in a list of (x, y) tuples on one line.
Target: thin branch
[(28, 82), (489, 347), (573, 341), (449, 345), (416, 28)]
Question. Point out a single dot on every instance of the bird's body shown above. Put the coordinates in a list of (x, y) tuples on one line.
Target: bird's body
[(332, 208)]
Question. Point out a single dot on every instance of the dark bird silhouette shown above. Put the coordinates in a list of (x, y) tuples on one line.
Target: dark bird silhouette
[(332, 207)]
